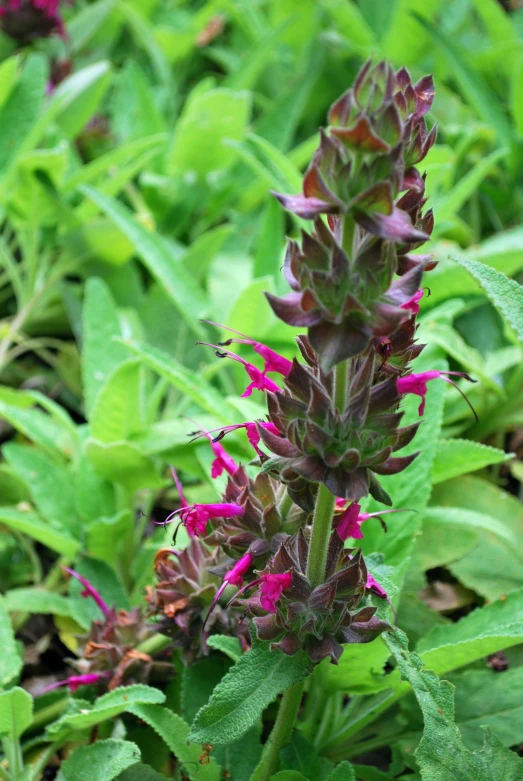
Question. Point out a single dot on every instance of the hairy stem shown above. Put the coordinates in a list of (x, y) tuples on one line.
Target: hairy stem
[(340, 386), (281, 732), (321, 529)]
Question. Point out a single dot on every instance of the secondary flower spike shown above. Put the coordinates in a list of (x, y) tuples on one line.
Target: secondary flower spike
[(89, 590), (417, 384), (259, 380)]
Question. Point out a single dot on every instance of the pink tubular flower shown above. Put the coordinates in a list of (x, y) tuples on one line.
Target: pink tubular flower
[(75, 681), (234, 577), (223, 462), (271, 589), (252, 431), (259, 380), (195, 516), (417, 384), (349, 522), (413, 302), (374, 586), (89, 590), (274, 362)]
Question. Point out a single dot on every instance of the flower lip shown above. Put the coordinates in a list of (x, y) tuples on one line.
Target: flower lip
[(259, 380), (417, 384), (350, 520)]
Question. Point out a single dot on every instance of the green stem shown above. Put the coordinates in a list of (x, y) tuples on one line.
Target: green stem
[(281, 733), (340, 386), (319, 542), (285, 505), (153, 645)]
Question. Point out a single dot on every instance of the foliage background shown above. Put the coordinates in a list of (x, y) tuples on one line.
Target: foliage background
[(134, 202)]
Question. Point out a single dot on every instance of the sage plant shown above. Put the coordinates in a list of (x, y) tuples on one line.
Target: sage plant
[(334, 423)]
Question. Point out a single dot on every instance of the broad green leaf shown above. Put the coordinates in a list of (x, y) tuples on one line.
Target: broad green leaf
[(456, 457), (87, 21), (29, 523), (199, 681), (482, 632), (499, 519), (100, 353), (487, 698), (442, 541), (16, 711), (351, 23), (10, 661), (441, 753), (208, 118), (157, 257), (105, 707), (50, 485), (251, 312), (360, 669), (105, 580), (189, 383), (36, 600), (175, 732), (79, 96), (116, 412), (270, 243), (140, 772), (21, 108), (506, 294), (200, 254), (122, 462), (8, 77), (38, 427), (94, 496), (230, 646), (300, 755), (241, 758), (142, 32), (410, 488), (289, 775), (342, 772), (107, 537), (239, 699), (104, 759)]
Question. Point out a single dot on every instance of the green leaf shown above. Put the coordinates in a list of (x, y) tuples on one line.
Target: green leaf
[(230, 646), (30, 524), (201, 253), (8, 76), (80, 95), (189, 383), (38, 427), (351, 23), (16, 712), (106, 537), (456, 457), (105, 580), (22, 106), (482, 632), (100, 354), (122, 462), (87, 21), (50, 485), (241, 758), (441, 753), (360, 669), (104, 759), (491, 699), (300, 755), (342, 772), (175, 732), (116, 412), (405, 41), (249, 686), (506, 294), (10, 661), (207, 119), (105, 707), (140, 772), (157, 257), (289, 775), (198, 682), (36, 600)]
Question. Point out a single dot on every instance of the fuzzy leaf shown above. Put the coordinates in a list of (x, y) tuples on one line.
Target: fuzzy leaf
[(36, 600), (116, 413), (16, 712), (482, 632), (230, 646), (441, 753), (342, 772), (105, 707), (10, 661), (241, 696), (174, 731), (30, 524), (104, 759), (506, 294), (456, 457)]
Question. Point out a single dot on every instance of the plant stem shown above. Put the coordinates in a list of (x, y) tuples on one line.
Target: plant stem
[(280, 734), (321, 529), (154, 644), (340, 386), (285, 505)]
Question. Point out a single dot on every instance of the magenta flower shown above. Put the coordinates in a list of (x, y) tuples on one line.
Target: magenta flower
[(374, 586), (274, 362), (27, 20), (223, 461), (271, 589), (413, 302), (259, 380), (349, 522), (75, 681), (252, 431), (417, 384), (89, 590), (234, 577)]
